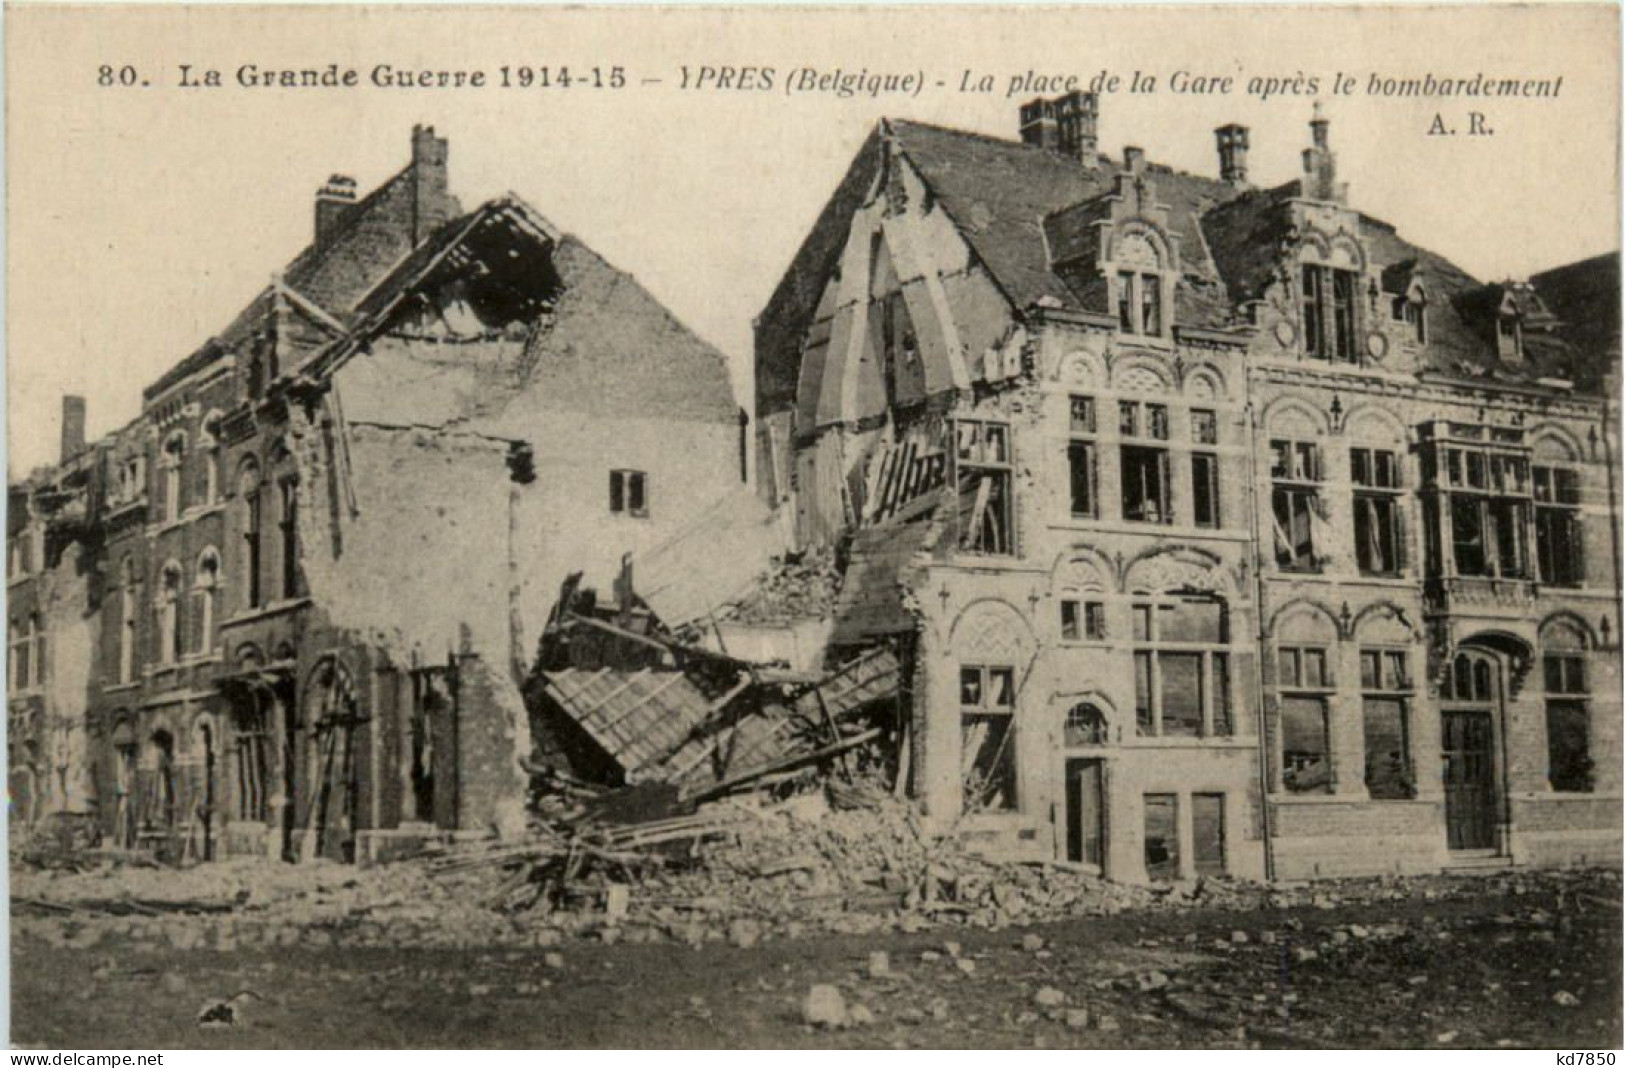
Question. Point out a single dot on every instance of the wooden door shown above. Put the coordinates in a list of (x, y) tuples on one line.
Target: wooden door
[(1469, 778), (1085, 812), (1207, 833)]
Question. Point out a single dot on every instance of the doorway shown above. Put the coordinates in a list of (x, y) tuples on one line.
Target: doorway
[(1471, 694), (1086, 812), (1469, 778)]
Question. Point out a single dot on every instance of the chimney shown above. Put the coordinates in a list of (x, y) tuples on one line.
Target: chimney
[(1038, 125), (432, 204), (1320, 163), (73, 427), (333, 202), (1133, 159), (1078, 116), (1232, 153)]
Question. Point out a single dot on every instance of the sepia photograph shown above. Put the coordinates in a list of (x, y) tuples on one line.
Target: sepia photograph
[(540, 527)]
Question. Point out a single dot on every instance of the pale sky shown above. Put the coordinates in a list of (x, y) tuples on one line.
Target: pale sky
[(141, 219)]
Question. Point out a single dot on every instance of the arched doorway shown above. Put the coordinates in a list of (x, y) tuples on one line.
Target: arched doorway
[(330, 717), (1085, 728), (1470, 702)]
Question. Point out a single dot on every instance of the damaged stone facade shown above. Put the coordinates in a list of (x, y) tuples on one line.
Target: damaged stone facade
[(286, 610), (1227, 532)]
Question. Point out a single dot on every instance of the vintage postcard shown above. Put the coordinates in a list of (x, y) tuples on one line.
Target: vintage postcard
[(849, 527)]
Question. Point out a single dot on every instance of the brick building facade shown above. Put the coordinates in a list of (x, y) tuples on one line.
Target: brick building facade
[(1226, 530), (287, 608)]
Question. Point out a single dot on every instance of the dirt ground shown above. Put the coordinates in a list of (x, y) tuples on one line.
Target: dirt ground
[(1539, 968)]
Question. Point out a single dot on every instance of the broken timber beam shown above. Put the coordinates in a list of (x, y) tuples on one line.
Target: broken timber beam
[(784, 763)]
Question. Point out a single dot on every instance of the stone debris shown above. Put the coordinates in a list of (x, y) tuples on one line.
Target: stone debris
[(824, 1006), (1050, 998)]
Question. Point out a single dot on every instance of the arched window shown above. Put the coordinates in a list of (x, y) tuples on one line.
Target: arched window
[(173, 457), (287, 485), (1470, 678), (129, 584), (248, 491), (1085, 725), (205, 588), (168, 608), (163, 812), (209, 468)]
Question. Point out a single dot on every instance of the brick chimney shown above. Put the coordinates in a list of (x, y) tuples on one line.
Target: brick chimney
[(1078, 115), (1068, 124), (1038, 125), (73, 426), (1232, 153), (432, 203), (333, 202), (1320, 163)]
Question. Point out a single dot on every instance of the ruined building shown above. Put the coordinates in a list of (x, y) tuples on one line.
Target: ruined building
[(1223, 530), (287, 608)]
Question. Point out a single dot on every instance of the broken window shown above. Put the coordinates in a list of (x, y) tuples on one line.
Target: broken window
[(1329, 325), (431, 699), (1082, 620), (1297, 510), (1303, 678), (1182, 668), (1161, 837), (629, 493), (1205, 489), (1139, 303), (1207, 834), (1489, 497), (1313, 335), (1081, 458), (1145, 484), (252, 741), (1386, 684), (982, 455), (1559, 546), (1081, 415), (1377, 539), (129, 605), (1085, 725), (1568, 725), (288, 525), (248, 487), (1301, 667), (1305, 756), (987, 705), (1204, 426)]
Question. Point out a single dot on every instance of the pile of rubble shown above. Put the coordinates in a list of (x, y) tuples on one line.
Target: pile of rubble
[(797, 589)]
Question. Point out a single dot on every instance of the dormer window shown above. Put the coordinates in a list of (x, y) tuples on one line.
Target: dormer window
[(1412, 311), (1511, 337), (1139, 303), (1328, 309)]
